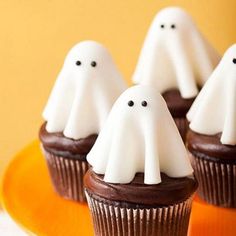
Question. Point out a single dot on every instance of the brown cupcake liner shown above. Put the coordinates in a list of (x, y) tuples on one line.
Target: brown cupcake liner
[(113, 220), (67, 176), (217, 181), (182, 125)]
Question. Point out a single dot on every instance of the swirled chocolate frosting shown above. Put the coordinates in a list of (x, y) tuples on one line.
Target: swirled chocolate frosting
[(209, 146), (58, 144), (177, 105), (169, 191)]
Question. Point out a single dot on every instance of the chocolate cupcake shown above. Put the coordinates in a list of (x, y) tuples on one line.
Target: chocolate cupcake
[(177, 60), (178, 108), (138, 183), (66, 160), (211, 139), (85, 90)]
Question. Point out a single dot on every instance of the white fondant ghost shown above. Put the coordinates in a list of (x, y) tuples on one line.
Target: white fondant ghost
[(214, 110), (85, 91), (139, 136), (175, 54)]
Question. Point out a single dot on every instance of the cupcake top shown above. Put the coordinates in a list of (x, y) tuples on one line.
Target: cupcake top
[(139, 136), (175, 54), (214, 110), (84, 92)]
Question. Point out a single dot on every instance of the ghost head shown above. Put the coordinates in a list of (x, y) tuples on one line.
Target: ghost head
[(139, 136), (175, 54), (214, 110), (85, 90)]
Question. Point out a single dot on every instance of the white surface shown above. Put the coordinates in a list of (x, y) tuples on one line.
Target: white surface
[(83, 95), (8, 227), (139, 139), (177, 57), (214, 110)]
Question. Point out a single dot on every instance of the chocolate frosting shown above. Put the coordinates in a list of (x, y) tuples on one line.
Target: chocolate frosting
[(58, 144), (177, 105), (209, 146), (169, 191)]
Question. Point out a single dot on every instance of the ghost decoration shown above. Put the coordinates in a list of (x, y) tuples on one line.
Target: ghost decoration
[(139, 136), (175, 54), (214, 110), (84, 92)]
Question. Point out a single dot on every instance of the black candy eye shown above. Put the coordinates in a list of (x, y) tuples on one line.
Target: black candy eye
[(78, 63), (162, 26), (93, 63), (173, 26), (234, 60), (144, 103), (130, 103)]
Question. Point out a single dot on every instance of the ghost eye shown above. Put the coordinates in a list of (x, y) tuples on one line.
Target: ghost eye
[(130, 103), (173, 26), (93, 63), (234, 60), (162, 26), (144, 103), (78, 63)]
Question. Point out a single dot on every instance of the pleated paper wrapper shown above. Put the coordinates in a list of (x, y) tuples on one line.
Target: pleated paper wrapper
[(114, 220), (67, 176), (217, 181)]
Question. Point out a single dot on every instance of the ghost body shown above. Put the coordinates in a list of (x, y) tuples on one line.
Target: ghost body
[(175, 54), (139, 136), (84, 92), (214, 110)]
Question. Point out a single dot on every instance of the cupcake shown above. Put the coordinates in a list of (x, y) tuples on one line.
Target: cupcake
[(177, 60), (140, 181), (81, 99), (211, 139)]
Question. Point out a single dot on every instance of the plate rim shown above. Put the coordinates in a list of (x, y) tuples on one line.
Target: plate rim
[(3, 201)]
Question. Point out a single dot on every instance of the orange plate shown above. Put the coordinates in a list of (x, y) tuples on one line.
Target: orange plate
[(30, 200)]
